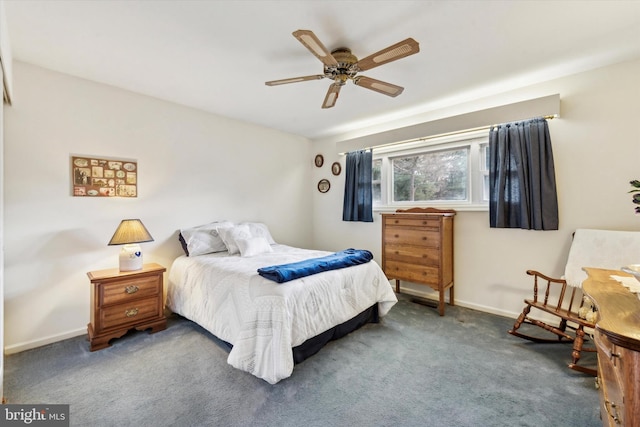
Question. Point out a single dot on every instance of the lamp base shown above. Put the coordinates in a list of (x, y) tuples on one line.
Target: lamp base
[(131, 258)]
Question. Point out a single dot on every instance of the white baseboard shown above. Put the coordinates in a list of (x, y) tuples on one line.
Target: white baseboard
[(434, 297), (17, 348)]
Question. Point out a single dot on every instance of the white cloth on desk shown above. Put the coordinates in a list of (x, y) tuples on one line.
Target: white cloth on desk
[(628, 282)]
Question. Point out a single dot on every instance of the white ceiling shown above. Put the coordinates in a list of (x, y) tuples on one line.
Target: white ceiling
[(216, 55)]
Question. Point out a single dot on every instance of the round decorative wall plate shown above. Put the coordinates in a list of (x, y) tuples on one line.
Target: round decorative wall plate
[(324, 185), (336, 168), (319, 160)]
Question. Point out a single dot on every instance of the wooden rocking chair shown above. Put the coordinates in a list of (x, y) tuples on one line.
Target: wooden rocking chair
[(563, 299)]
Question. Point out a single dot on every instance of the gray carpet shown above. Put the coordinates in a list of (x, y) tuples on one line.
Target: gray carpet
[(413, 369)]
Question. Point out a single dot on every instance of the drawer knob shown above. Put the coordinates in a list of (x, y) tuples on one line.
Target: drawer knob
[(131, 313), (131, 289), (612, 410), (396, 236)]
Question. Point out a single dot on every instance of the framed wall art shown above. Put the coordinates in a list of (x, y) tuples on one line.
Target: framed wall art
[(324, 185), (101, 177)]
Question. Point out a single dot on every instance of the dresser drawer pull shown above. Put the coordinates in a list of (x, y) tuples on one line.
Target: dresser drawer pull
[(131, 289), (612, 407), (131, 313), (613, 356)]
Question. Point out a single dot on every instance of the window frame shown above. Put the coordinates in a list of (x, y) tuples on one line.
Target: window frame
[(476, 141)]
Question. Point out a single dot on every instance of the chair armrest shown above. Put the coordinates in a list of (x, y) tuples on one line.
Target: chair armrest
[(545, 277)]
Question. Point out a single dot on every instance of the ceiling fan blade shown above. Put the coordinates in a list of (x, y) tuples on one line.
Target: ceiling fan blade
[(399, 50), (332, 95), (294, 80), (378, 86), (311, 42)]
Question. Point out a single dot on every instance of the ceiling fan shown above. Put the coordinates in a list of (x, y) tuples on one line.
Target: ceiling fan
[(341, 65)]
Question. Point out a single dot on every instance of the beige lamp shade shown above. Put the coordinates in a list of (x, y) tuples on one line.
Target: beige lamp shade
[(130, 231)]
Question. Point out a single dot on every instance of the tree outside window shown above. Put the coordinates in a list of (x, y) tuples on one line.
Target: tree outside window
[(437, 175)]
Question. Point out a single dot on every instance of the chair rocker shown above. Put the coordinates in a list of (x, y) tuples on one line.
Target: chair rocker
[(566, 305), (566, 314)]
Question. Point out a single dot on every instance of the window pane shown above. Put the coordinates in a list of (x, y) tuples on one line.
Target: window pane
[(376, 179), (484, 156), (485, 188), (438, 175)]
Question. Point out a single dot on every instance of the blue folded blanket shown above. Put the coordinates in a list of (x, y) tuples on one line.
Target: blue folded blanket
[(295, 270)]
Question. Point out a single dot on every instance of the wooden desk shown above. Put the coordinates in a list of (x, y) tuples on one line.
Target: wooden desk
[(617, 339)]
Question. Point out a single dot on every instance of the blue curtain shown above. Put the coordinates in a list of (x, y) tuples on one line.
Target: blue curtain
[(358, 198), (522, 183)]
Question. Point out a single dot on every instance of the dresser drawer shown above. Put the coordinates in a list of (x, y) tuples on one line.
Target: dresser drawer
[(429, 223), (409, 254), (131, 312), (128, 290), (412, 273), (415, 237)]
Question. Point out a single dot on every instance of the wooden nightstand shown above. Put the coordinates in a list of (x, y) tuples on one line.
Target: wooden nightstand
[(121, 301)]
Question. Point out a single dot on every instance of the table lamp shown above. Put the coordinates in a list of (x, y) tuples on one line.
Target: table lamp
[(129, 233)]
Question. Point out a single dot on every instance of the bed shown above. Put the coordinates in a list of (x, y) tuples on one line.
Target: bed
[(271, 326)]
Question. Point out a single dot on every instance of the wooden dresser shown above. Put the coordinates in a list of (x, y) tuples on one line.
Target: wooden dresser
[(617, 339), (417, 247), (122, 300)]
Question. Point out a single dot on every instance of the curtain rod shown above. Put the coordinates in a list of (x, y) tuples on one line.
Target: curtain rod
[(441, 135)]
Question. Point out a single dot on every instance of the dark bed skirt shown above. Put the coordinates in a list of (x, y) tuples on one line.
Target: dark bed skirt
[(313, 345)]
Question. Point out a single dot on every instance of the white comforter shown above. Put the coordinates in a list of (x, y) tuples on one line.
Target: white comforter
[(262, 319)]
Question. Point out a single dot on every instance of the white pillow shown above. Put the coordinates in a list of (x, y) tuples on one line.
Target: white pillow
[(204, 239), (253, 246), (231, 235), (259, 229)]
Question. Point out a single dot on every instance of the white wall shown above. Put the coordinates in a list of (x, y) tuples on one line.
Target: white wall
[(190, 165), (596, 144), (194, 168)]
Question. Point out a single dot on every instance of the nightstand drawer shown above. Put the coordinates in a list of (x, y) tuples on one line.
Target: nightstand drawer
[(127, 290), (131, 312)]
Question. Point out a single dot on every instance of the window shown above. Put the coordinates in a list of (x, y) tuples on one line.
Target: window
[(445, 172)]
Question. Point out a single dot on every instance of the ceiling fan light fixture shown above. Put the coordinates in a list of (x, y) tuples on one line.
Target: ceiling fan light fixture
[(341, 65)]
